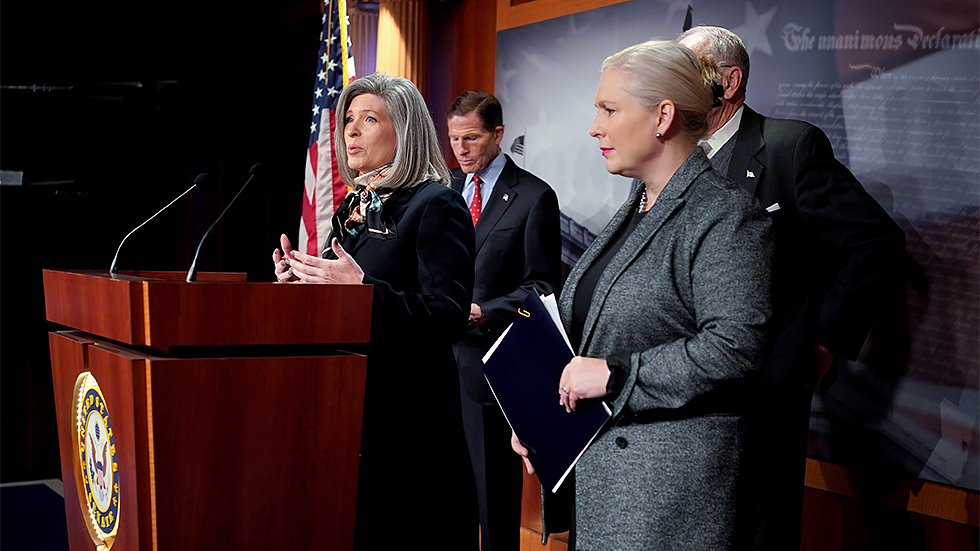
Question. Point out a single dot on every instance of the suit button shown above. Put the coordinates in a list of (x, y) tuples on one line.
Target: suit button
[(621, 442)]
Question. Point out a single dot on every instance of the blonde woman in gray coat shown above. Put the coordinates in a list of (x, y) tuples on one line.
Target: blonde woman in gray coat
[(667, 311)]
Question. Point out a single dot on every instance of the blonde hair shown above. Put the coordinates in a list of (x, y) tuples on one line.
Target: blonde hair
[(418, 157), (659, 70)]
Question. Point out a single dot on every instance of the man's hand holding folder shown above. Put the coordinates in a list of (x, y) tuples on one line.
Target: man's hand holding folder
[(525, 368), (515, 444)]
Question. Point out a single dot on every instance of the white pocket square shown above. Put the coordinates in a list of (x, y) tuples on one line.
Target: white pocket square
[(749, 174), (773, 207)]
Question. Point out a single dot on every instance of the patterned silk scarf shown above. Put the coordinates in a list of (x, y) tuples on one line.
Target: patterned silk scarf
[(362, 207)]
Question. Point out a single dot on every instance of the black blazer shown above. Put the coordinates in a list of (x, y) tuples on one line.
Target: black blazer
[(422, 281), (836, 248), (518, 250)]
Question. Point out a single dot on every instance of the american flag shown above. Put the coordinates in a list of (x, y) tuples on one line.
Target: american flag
[(324, 188), (517, 148)]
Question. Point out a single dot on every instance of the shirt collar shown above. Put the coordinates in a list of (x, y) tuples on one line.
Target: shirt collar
[(725, 133), (490, 174)]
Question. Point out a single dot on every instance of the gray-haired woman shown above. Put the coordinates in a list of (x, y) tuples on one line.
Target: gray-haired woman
[(405, 232)]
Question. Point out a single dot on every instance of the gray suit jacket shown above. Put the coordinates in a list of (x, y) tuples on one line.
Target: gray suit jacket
[(687, 297)]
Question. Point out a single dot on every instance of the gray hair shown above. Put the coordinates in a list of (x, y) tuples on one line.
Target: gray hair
[(724, 45), (418, 157), (661, 69)]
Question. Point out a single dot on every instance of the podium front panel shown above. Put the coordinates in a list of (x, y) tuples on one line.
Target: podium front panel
[(220, 452), (70, 356), (257, 453)]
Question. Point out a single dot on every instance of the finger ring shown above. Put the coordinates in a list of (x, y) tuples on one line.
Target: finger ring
[(564, 389)]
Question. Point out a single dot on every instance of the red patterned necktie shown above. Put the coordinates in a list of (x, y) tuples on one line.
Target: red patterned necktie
[(477, 201)]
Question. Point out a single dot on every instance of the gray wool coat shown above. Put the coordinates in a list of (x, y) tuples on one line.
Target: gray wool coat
[(686, 299)]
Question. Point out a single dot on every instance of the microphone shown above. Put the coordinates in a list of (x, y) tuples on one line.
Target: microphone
[(199, 181), (192, 273)]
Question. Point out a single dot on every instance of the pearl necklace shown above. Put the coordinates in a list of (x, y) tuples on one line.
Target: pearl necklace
[(643, 201)]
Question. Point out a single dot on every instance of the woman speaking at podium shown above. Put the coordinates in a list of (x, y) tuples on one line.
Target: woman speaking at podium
[(666, 311), (405, 232)]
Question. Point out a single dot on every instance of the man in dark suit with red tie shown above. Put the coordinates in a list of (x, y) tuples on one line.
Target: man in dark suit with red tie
[(518, 251), (838, 255)]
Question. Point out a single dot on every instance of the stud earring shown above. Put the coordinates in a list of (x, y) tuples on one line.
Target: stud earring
[(659, 135)]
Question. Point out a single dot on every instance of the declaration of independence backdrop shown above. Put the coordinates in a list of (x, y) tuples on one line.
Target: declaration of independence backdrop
[(896, 86)]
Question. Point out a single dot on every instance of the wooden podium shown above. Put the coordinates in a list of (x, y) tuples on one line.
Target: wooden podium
[(235, 416)]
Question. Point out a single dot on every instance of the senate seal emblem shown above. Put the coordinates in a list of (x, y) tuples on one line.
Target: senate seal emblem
[(96, 468)]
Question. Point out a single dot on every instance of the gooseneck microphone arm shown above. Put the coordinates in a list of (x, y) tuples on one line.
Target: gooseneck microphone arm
[(192, 273), (200, 180)]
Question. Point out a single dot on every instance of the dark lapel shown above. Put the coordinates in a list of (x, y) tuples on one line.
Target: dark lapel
[(670, 201), (745, 168), (394, 207), (501, 199), (458, 179)]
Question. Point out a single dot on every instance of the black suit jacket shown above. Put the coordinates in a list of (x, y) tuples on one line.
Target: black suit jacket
[(837, 251), (518, 250)]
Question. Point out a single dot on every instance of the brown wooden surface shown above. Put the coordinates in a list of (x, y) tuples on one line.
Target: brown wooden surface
[(220, 453), (475, 47), (531, 516), (838, 523), (531, 541), (67, 353), (939, 517), (159, 313), (182, 276), (915, 496), (216, 451), (834, 522), (100, 305), (256, 453), (511, 14), (69, 357)]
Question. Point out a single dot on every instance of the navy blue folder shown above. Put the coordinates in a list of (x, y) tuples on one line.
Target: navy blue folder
[(523, 372)]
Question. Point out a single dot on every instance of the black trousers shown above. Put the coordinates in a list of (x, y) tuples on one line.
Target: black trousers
[(499, 474), (780, 472)]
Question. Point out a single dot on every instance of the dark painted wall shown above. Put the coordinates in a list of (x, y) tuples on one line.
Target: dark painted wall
[(141, 98)]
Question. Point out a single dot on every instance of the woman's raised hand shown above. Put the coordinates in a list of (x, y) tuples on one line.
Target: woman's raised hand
[(302, 267), (280, 263)]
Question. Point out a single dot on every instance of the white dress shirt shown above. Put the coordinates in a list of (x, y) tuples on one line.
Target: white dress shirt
[(722, 135)]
